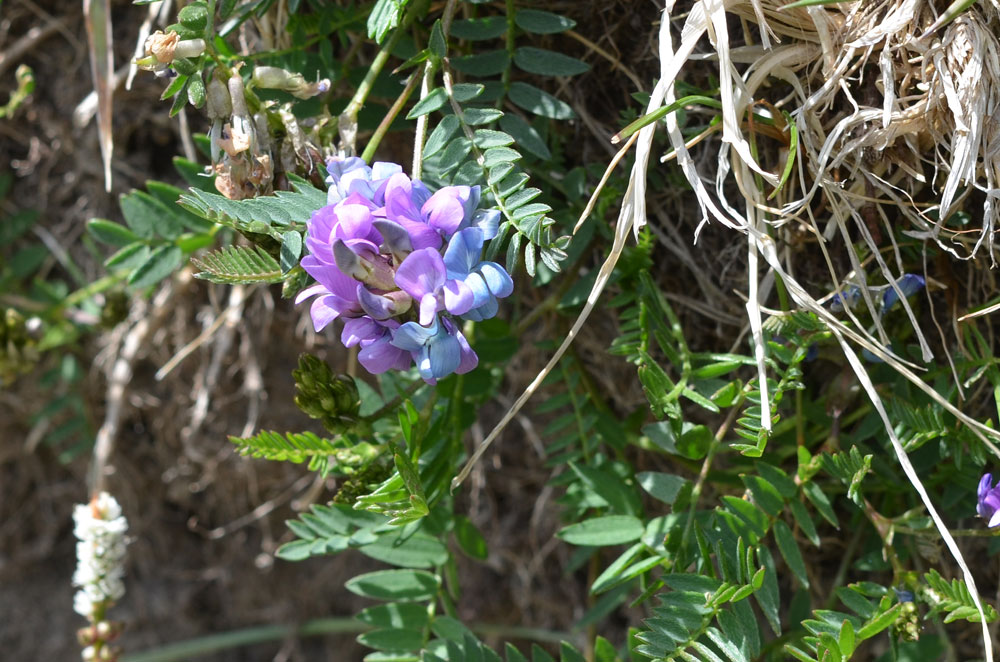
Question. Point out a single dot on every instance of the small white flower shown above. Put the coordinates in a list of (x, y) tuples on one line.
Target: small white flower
[(100, 554)]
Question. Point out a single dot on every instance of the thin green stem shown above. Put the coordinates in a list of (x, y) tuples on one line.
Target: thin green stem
[(707, 465), (511, 12), (347, 122), (383, 126), (392, 404), (98, 286)]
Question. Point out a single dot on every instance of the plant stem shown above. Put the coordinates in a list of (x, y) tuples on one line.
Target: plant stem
[(383, 126), (99, 285), (392, 404), (421, 133), (510, 11), (707, 465), (347, 122)]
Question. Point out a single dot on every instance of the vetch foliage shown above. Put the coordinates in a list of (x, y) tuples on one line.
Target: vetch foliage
[(749, 504)]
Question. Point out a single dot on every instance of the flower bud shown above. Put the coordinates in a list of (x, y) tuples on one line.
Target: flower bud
[(189, 48), (334, 400), (86, 636), (275, 78), (218, 103)]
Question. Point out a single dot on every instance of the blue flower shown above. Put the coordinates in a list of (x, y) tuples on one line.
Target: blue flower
[(353, 175), (908, 284), (439, 349), (377, 252), (988, 505), (488, 281), (422, 275)]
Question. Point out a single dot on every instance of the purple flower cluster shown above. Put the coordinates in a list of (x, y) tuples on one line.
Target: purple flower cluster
[(988, 505), (399, 264)]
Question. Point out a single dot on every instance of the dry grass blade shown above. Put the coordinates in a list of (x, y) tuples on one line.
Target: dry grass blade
[(621, 232), (99, 37), (631, 217)]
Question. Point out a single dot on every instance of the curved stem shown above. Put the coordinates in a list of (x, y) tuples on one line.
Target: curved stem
[(392, 404), (707, 465), (383, 126)]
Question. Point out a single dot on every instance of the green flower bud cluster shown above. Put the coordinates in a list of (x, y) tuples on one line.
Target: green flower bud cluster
[(363, 482), (18, 348), (907, 625), (331, 399)]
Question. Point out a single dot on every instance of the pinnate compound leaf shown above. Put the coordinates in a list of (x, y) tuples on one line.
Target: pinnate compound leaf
[(111, 233), (291, 250), (664, 487), (238, 264), (396, 615), (392, 639), (790, 551), (953, 599), (416, 551), (490, 63), (434, 100), (526, 136), (271, 214), (470, 539), (475, 29), (440, 136), (384, 16)]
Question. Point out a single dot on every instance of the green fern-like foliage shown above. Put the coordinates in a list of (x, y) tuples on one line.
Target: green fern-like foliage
[(683, 624), (953, 599), (850, 468), (323, 455), (835, 635), (238, 265), (476, 143), (792, 334), (265, 215), (651, 330), (918, 424)]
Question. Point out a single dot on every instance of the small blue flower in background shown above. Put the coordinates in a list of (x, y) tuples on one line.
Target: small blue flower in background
[(908, 284), (988, 505), (396, 262), (848, 298)]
